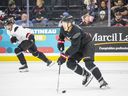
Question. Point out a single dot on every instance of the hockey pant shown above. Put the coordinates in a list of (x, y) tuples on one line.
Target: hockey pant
[(31, 47)]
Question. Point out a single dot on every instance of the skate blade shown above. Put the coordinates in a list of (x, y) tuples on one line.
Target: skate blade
[(24, 70), (51, 64), (105, 87), (88, 81)]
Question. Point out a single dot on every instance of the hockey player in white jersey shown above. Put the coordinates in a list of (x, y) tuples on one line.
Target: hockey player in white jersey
[(26, 41)]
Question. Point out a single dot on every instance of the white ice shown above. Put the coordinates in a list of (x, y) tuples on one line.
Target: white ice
[(42, 81)]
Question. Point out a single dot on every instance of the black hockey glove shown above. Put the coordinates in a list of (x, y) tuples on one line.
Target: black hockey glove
[(31, 38), (61, 59), (13, 39), (60, 45)]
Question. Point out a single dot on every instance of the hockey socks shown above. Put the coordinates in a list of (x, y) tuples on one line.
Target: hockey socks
[(40, 55), (75, 67), (20, 56)]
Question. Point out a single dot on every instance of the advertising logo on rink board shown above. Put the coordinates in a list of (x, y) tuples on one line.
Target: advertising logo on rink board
[(110, 39)]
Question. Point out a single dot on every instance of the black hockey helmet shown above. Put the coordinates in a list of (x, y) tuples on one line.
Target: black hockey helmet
[(68, 18)]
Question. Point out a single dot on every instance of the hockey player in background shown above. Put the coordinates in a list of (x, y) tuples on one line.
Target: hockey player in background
[(25, 39), (82, 47)]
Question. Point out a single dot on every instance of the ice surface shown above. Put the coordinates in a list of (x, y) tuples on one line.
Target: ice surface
[(42, 80)]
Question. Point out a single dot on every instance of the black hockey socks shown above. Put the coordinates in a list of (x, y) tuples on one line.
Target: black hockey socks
[(94, 70), (20, 56), (40, 55), (76, 68), (79, 70)]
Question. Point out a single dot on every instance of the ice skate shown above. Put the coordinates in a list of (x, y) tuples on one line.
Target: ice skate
[(87, 79), (50, 63), (103, 84), (24, 68)]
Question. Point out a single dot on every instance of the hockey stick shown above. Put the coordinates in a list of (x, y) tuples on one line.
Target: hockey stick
[(58, 81)]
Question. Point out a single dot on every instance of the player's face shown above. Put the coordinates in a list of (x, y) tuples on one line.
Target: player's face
[(8, 27), (66, 26)]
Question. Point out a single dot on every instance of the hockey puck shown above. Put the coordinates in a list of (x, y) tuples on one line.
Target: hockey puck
[(64, 91)]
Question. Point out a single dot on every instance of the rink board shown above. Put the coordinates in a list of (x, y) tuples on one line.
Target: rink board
[(54, 57), (111, 43)]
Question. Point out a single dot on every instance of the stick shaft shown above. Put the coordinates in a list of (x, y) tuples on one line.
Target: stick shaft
[(58, 81)]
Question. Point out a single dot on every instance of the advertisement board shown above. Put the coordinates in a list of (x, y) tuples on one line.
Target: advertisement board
[(111, 43), (109, 39)]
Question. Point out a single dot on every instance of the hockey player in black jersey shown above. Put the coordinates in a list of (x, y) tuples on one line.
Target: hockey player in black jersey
[(82, 47), (25, 38)]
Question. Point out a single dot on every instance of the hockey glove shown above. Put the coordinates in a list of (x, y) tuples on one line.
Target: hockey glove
[(13, 39), (30, 37), (60, 45), (61, 59)]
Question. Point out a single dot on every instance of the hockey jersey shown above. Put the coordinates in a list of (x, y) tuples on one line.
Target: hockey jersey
[(20, 33), (77, 37)]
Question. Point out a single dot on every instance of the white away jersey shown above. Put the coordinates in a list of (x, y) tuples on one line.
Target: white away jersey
[(21, 33)]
